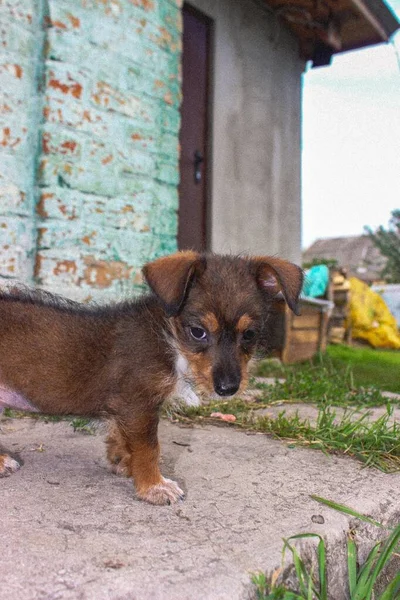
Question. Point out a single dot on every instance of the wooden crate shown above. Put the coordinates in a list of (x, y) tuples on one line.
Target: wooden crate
[(339, 329), (295, 338)]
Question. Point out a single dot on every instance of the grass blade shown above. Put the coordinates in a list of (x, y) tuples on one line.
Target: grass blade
[(305, 579), (321, 551), (346, 510), (362, 581), (392, 592), (288, 596), (387, 551), (260, 581), (301, 571), (352, 565), (265, 591), (310, 588)]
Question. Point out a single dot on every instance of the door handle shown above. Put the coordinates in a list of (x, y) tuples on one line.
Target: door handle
[(197, 161)]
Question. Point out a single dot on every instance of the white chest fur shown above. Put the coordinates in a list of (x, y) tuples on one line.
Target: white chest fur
[(183, 388)]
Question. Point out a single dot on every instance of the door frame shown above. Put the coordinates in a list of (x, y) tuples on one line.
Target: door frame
[(207, 166)]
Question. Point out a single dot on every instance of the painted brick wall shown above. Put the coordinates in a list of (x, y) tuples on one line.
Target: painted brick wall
[(109, 165), (21, 59), (107, 173)]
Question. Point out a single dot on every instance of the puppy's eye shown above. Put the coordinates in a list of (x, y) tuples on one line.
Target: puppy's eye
[(249, 335), (198, 333)]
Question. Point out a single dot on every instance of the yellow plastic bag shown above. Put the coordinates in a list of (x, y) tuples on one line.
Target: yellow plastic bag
[(370, 318)]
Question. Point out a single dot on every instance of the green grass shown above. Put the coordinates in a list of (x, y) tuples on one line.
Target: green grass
[(368, 367), (80, 424), (19, 414), (362, 579), (83, 425), (321, 382)]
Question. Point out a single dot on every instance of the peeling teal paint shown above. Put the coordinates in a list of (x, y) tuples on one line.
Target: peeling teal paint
[(103, 199), (21, 64)]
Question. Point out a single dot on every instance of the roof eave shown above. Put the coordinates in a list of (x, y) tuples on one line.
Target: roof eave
[(383, 15), (336, 26)]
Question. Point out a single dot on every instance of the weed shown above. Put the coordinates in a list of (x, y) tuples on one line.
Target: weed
[(19, 414), (83, 425), (362, 580), (78, 423)]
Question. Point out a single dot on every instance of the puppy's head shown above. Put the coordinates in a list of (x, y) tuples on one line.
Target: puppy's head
[(218, 307)]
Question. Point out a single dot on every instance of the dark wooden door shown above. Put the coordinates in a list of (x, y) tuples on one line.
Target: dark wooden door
[(194, 168)]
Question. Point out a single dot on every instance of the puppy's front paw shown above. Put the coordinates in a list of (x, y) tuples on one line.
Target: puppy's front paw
[(166, 492), (8, 465)]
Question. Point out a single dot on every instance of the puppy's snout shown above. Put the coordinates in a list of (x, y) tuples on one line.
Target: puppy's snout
[(226, 386)]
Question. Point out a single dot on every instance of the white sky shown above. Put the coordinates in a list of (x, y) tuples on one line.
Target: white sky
[(351, 142)]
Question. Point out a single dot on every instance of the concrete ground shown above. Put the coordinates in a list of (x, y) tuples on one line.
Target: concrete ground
[(69, 529), (309, 411)]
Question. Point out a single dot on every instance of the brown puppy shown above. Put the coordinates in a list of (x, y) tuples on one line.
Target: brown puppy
[(204, 319)]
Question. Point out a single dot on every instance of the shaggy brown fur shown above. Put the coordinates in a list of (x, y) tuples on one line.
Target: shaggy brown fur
[(204, 319)]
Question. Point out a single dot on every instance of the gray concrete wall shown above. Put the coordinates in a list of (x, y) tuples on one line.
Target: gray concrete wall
[(256, 146)]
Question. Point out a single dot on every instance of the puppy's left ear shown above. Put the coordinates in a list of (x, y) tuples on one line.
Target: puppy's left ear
[(170, 278), (276, 275)]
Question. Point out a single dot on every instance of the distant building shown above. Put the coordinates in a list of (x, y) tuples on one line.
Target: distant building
[(356, 254)]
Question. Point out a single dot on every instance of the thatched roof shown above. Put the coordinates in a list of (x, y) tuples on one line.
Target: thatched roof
[(357, 254)]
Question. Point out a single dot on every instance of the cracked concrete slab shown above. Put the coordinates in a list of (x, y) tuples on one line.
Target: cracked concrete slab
[(69, 529)]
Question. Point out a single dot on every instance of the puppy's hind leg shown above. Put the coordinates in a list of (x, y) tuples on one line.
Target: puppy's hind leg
[(117, 450)]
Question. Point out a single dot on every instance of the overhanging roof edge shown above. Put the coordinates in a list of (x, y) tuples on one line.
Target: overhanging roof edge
[(384, 14)]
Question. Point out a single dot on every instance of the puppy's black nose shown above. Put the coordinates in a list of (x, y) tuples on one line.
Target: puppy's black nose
[(226, 388)]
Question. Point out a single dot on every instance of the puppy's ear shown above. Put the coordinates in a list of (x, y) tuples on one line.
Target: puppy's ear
[(276, 275), (170, 277)]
